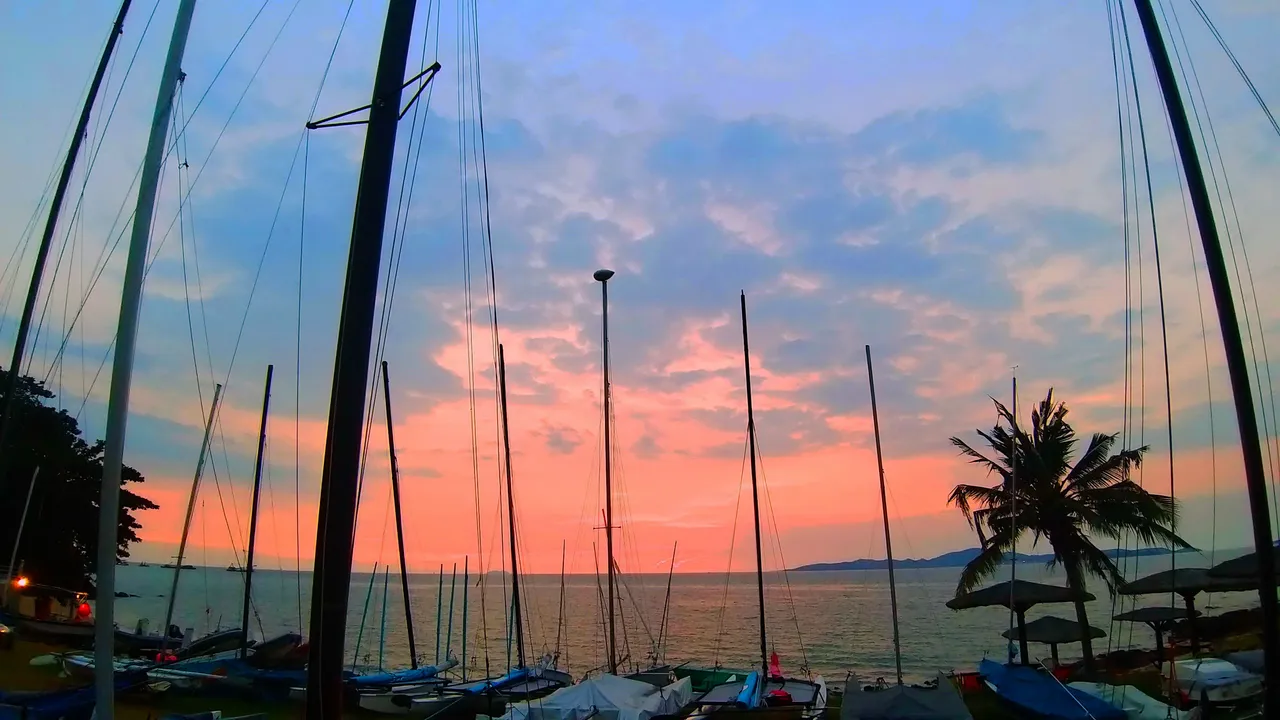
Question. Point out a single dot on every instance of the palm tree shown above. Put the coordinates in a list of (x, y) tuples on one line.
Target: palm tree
[(1068, 504)]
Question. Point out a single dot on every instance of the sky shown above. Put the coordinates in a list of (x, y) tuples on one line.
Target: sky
[(940, 181)]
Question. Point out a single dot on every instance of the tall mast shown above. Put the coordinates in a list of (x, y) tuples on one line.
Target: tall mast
[(666, 606), (1237, 367), (602, 277), (884, 509), (339, 480), (466, 580), (122, 366), (511, 508), (191, 508), (1013, 523), (560, 616), (448, 633), (46, 239), (253, 516), (395, 496), (755, 494)]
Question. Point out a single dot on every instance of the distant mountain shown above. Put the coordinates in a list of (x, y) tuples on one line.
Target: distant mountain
[(958, 558)]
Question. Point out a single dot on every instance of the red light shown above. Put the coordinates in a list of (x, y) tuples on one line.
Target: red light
[(22, 581), (84, 611)]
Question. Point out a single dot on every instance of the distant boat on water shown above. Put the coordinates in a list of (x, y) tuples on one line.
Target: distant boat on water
[(233, 568), (171, 566)]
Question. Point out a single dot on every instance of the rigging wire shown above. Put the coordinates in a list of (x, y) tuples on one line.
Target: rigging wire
[(1155, 242), (1261, 369), (1253, 89), (733, 540), (297, 358), (777, 546)]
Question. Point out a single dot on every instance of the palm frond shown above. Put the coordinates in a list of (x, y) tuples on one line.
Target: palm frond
[(978, 458), (980, 568)]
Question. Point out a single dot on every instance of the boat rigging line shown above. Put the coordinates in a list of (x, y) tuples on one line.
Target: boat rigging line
[(1155, 243), (1255, 472), (1260, 369)]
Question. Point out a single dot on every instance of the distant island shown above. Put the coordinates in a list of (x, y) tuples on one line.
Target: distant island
[(960, 558)]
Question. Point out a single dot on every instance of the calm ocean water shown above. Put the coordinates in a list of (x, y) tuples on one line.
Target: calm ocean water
[(834, 621)]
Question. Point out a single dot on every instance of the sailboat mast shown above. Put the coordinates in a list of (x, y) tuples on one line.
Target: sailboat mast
[(466, 580), (755, 493), (1237, 366), (560, 617), (191, 508), (395, 496), (46, 239), (511, 508), (666, 606), (602, 276), (1013, 524), (122, 366), (884, 509), (253, 516), (339, 480)]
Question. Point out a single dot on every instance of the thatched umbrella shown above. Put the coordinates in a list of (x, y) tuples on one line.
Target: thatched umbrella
[(1187, 582), (1158, 619), (1018, 595), (1052, 631)]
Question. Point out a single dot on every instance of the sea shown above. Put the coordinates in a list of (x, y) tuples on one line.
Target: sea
[(829, 623)]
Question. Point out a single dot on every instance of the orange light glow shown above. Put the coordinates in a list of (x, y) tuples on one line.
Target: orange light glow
[(22, 582)]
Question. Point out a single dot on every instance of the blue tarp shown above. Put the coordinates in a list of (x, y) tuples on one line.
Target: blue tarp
[(750, 695), (397, 677), (1039, 693)]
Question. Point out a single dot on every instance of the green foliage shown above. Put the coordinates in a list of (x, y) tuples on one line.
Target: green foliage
[(60, 540)]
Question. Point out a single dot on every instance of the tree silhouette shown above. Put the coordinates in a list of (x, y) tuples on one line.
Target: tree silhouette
[(1064, 502), (59, 543)]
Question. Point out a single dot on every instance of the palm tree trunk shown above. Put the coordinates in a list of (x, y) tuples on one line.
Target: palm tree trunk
[(1076, 581)]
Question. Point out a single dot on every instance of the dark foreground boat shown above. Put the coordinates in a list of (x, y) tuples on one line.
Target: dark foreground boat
[(69, 704), (901, 702)]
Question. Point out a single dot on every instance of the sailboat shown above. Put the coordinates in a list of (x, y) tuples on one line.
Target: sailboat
[(939, 700), (764, 690)]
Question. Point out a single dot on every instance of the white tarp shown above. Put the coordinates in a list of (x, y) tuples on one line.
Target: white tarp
[(607, 697), (1221, 681), (1133, 701)]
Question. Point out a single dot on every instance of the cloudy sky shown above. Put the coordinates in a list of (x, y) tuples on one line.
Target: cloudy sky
[(941, 181)]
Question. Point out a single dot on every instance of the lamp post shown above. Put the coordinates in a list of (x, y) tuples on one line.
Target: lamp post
[(602, 276)]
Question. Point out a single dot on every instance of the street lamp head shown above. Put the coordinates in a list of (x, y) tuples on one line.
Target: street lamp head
[(602, 275)]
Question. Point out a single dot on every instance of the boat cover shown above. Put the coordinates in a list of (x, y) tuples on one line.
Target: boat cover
[(1038, 692), (1251, 660), (1133, 701), (904, 702), (608, 697), (1222, 681), (401, 677)]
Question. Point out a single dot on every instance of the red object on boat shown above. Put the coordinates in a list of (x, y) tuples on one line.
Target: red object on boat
[(1062, 673), (775, 667), (969, 682), (84, 611), (778, 697)]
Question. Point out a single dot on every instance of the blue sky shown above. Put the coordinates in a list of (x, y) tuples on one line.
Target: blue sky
[(938, 180)]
